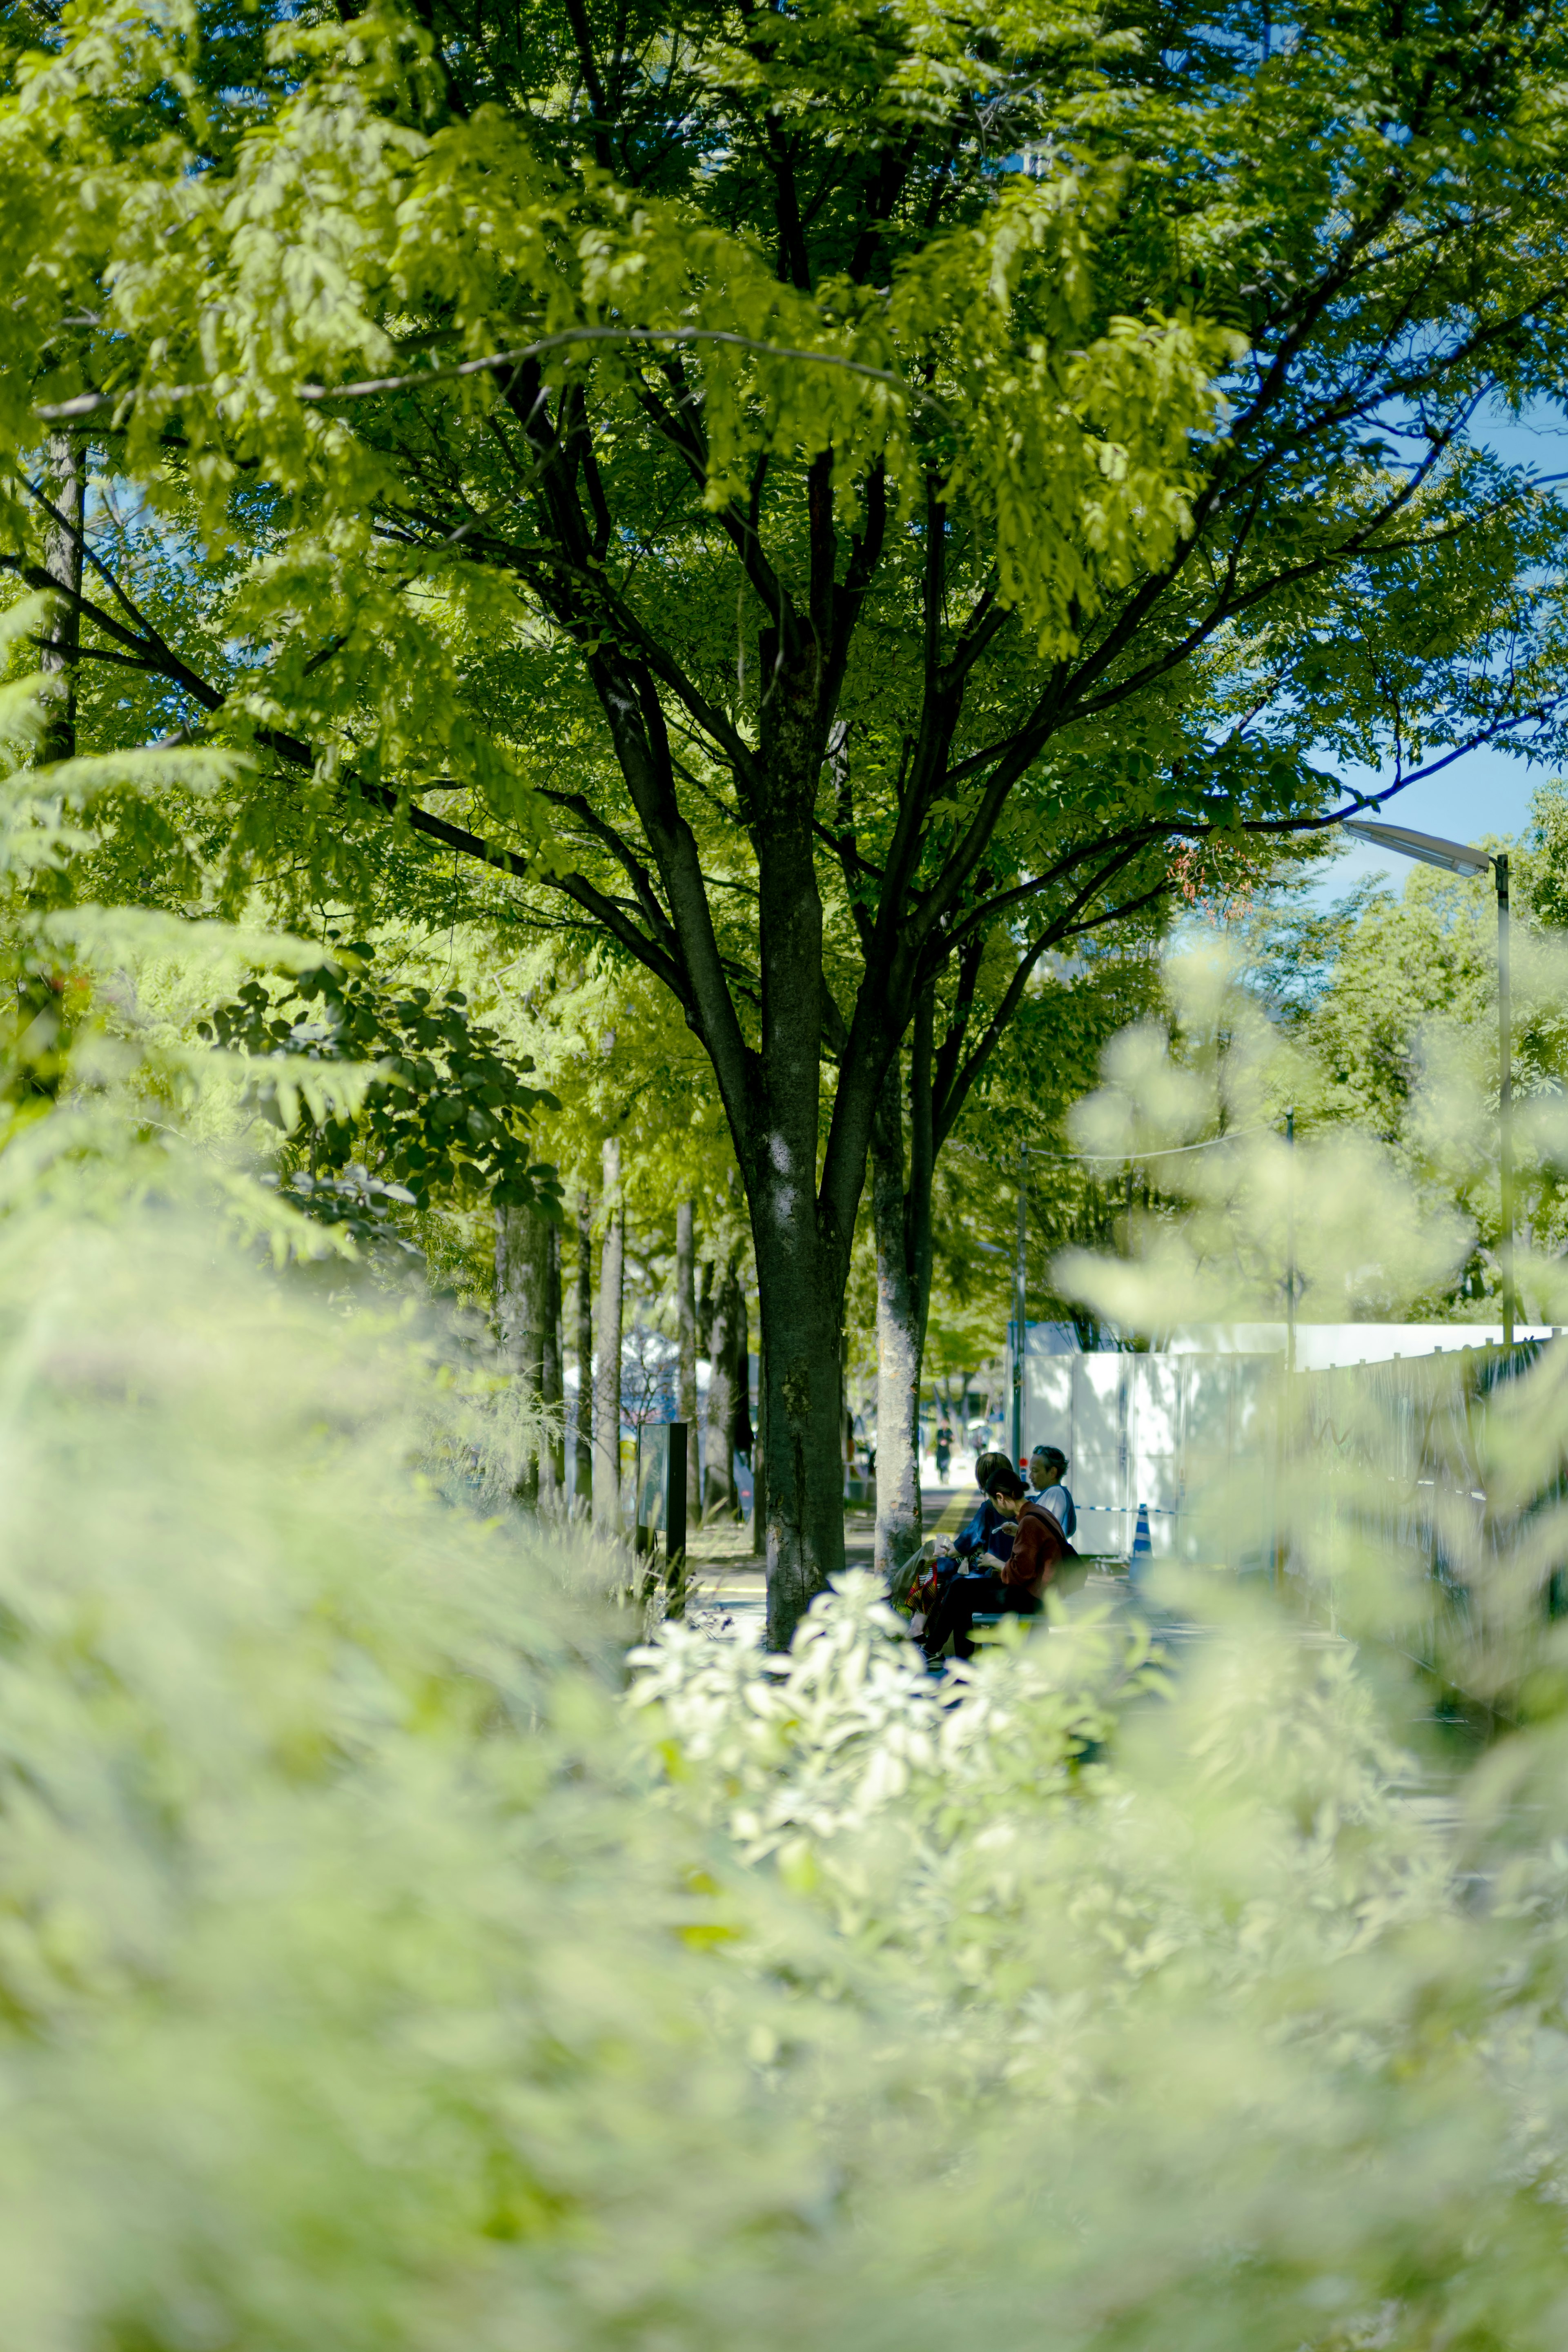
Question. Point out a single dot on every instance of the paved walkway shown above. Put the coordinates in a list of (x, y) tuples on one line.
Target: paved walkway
[(726, 1584), (727, 1588)]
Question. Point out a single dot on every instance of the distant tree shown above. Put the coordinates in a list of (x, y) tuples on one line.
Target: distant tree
[(1390, 999)]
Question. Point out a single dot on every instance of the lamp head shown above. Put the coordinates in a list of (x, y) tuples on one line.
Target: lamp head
[(1453, 856)]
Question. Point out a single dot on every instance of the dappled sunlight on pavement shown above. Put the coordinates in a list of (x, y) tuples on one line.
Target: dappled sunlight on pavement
[(727, 1583)]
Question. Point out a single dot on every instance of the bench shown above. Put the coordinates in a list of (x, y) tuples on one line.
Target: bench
[(984, 1625)]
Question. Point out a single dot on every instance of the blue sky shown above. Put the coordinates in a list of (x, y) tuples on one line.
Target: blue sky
[(1485, 791)]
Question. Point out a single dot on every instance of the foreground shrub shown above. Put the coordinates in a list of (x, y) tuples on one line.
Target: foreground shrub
[(373, 1974)]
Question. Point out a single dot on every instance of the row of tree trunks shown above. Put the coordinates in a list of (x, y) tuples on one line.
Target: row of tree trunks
[(686, 1331), (583, 1440), (728, 1416), (607, 1364), (529, 1311)]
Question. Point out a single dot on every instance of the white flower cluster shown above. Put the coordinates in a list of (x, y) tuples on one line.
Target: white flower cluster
[(968, 1821)]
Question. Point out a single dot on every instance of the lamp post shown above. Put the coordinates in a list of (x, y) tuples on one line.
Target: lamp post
[(1458, 858)]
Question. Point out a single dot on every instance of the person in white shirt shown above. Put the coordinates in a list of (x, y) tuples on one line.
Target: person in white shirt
[(1048, 1484)]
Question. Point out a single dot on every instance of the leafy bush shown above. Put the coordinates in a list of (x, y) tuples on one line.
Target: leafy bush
[(371, 1974)]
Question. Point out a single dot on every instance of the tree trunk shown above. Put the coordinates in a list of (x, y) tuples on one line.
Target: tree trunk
[(705, 1310), (551, 1387), (719, 1498), (803, 1429), (686, 1325), (760, 1463), (741, 1434), (525, 1300), (802, 1197), (66, 478), (902, 1218), (583, 1440), (608, 1380), (803, 1222)]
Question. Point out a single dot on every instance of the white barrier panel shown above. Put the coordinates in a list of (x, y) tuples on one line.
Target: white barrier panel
[(1188, 1436)]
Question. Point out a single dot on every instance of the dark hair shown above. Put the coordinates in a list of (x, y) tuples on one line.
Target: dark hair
[(1050, 1454), (1004, 1481), (987, 1466)]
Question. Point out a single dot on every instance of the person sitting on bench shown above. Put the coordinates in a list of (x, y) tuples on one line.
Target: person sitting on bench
[(1017, 1583), (983, 1531)]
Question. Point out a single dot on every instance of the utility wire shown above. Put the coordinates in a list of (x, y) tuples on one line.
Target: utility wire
[(1160, 1151)]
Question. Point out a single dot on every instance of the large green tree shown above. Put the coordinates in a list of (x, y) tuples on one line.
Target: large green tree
[(778, 474)]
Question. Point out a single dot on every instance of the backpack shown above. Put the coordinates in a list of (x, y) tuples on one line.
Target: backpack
[(922, 1586)]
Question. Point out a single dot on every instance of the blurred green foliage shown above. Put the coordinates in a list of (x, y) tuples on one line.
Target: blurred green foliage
[(370, 1972), (377, 1969)]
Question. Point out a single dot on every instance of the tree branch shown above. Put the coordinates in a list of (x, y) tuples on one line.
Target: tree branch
[(1064, 927)]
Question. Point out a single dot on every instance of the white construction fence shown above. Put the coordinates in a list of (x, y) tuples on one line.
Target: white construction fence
[(1176, 1430), (1169, 1433)]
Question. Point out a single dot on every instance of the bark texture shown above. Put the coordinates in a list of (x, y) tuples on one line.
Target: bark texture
[(721, 1498), (802, 1426), (552, 1386), (66, 482), (686, 1325), (583, 1437), (607, 1377), (760, 1465), (901, 1213), (528, 1299)]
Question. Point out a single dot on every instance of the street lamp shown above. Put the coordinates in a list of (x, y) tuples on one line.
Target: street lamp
[(1458, 858)]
